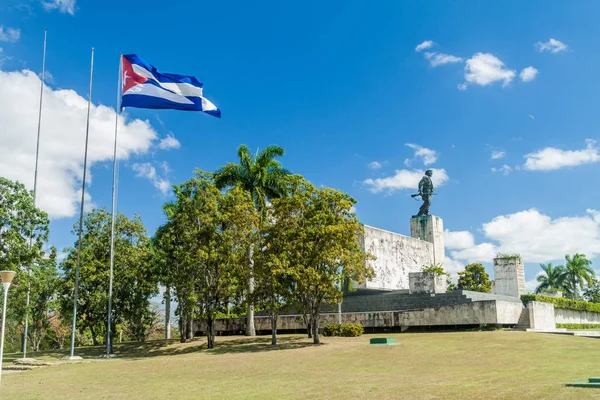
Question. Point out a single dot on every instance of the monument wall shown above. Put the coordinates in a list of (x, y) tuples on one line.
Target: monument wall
[(397, 256), (491, 312)]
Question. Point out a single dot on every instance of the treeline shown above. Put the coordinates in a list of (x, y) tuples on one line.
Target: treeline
[(249, 235)]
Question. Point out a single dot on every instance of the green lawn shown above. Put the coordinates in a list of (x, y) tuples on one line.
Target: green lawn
[(457, 365)]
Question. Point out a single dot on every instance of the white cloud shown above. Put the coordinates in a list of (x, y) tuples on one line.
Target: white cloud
[(374, 165), (458, 240), (462, 87), (505, 169), (429, 156), (528, 74), (554, 46), (485, 68), (9, 34), (62, 139), (436, 59), (496, 155), (404, 179), (452, 267), (425, 45), (63, 6), (169, 142), (552, 158), (536, 237), (531, 116), (147, 170)]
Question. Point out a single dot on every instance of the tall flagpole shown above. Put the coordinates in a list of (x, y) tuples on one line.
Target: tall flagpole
[(87, 134), (112, 222), (37, 154)]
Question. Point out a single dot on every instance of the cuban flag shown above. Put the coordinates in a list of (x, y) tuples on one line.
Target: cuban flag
[(144, 87)]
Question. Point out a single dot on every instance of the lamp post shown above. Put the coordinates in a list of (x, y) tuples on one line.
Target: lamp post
[(7, 277)]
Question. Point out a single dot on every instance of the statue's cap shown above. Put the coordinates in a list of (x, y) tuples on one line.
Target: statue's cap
[(429, 171)]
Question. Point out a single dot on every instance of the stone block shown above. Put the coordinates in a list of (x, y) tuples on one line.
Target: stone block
[(426, 282), (541, 316), (509, 276)]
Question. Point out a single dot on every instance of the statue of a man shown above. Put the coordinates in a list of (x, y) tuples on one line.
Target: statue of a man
[(425, 191)]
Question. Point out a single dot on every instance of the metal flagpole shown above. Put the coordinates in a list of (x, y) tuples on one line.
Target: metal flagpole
[(87, 133), (37, 153), (112, 222)]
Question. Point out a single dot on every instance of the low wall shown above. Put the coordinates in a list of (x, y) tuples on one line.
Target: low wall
[(564, 316), (491, 312)]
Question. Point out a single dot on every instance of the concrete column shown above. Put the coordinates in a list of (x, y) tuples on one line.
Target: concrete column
[(509, 276), (430, 229)]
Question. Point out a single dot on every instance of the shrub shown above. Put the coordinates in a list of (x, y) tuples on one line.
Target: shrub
[(345, 330), (560, 302), (578, 326)]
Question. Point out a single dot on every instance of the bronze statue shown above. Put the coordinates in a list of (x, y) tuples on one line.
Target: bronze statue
[(425, 192)]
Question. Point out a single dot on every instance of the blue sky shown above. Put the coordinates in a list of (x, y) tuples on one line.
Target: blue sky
[(340, 85)]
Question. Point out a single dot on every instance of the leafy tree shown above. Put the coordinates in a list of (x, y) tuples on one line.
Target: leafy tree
[(135, 281), (263, 177), (23, 232), (316, 237), (213, 232), (553, 279), (577, 273), (592, 292), (474, 278), (23, 227)]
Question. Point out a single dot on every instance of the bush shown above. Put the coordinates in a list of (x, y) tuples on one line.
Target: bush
[(578, 326), (345, 330), (560, 302)]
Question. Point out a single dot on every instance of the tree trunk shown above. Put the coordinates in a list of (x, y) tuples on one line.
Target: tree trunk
[(250, 329), (274, 317), (168, 313), (315, 329), (574, 288), (182, 326), (210, 333), (308, 325), (190, 326)]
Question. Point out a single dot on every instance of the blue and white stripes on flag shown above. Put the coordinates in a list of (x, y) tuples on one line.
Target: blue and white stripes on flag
[(144, 87)]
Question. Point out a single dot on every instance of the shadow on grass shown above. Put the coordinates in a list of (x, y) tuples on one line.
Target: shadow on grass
[(158, 348)]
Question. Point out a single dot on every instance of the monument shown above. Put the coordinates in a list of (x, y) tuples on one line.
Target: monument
[(402, 294), (428, 227)]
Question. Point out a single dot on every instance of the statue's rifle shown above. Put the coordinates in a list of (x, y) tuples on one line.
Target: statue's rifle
[(414, 196)]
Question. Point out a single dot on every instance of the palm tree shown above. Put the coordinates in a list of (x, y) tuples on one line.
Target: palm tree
[(577, 273), (553, 279), (264, 178)]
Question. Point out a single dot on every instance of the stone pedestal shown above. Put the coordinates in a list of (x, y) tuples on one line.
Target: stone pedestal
[(430, 229), (427, 282), (509, 276)]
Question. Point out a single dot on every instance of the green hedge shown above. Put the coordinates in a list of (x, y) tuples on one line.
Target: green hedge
[(346, 330), (560, 302), (578, 326)]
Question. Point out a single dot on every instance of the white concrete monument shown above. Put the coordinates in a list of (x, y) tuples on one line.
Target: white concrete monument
[(509, 276)]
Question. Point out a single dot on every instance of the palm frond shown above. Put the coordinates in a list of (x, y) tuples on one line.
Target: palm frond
[(268, 154)]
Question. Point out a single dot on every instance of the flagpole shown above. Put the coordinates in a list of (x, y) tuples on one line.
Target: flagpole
[(87, 134), (112, 221), (37, 154)]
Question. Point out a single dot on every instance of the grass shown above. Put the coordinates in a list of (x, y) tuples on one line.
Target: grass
[(455, 365)]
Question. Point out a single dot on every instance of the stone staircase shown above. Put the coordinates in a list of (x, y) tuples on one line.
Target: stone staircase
[(523, 323)]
